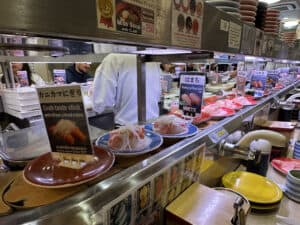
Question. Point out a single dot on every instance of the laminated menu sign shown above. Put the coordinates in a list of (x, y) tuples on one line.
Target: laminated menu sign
[(23, 78), (273, 77), (59, 76), (191, 93), (258, 80), (187, 17), (65, 119), (130, 16)]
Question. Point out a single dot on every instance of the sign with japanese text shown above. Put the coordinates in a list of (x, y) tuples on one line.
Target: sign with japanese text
[(258, 80), (191, 93), (23, 78), (259, 83), (59, 76), (65, 119)]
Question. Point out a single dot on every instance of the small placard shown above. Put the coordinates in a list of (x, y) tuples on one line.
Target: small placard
[(59, 76), (218, 135), (258, 80), (23, 78), (191, 93), (65, 119)]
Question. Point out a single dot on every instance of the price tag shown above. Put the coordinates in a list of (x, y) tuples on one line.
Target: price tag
[(218, 135)]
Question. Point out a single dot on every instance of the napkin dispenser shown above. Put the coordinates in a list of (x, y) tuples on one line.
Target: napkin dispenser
[(201, 205)]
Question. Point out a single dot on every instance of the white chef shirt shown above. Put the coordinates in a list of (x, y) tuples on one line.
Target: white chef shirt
[(115, 87)]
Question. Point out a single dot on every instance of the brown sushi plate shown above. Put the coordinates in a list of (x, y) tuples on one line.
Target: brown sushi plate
[(249, 2), (47, 170), (248, 8), (248, 18), (247, 13)]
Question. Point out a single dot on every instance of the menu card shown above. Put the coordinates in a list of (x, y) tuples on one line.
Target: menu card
[(191, 93), (65, 119), (59, 76), (23, 78)]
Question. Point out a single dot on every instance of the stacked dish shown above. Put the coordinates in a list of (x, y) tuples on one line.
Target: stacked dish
[(248, 11), (296, 153), (260, 15), (292, 185), (272, 21), (265, 197), (232, 7), (289, 37)]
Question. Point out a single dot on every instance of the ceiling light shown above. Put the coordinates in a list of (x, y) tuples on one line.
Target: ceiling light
[(290, 24), (269, 1)]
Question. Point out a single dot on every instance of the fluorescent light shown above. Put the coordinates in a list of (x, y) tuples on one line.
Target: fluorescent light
[(290, 24), (155, 51), (269, 1)]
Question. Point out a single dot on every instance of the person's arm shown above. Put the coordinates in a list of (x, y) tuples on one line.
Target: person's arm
[(37, 79), (105, 84)]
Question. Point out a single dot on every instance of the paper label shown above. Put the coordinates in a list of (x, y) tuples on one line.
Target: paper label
[(224, 25), (191, 93), (187, 18), (218, 135), (65, 119), (234, 35)]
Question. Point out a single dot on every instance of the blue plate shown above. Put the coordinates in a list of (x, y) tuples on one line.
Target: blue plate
[(155, 142), (192, 130), (290, 194)]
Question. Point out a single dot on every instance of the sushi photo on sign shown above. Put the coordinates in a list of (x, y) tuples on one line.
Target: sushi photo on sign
[(191, 93)]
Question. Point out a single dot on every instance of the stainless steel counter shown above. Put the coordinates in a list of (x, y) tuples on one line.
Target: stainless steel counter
[(288, 208)]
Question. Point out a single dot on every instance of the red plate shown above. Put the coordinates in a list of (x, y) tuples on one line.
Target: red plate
[(249, 2), (284, 165), (218, 112), (245, 102), (46, 172), (248, 8), (202, 118)]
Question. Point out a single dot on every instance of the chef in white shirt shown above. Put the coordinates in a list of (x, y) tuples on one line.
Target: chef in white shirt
[(115, 87)]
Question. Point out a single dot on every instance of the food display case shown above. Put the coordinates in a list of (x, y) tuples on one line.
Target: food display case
[(128, 191)]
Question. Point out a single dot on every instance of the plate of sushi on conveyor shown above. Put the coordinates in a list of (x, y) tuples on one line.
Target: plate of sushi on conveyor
[(217, 112), (130, 140), (171, 126)]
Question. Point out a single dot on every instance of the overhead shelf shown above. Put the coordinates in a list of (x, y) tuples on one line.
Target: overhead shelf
[(215, 30)]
